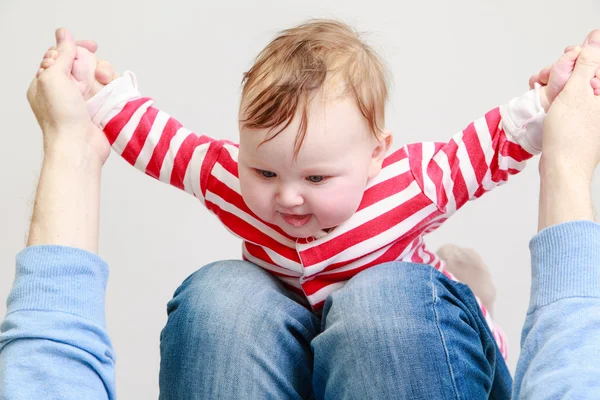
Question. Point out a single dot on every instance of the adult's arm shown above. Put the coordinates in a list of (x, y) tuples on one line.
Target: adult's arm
[(53, 340), (560, 343)]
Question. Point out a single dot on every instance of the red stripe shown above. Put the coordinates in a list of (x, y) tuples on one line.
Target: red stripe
[(507, 147), (476, 155), (385, 189), (260, 253), (405, 241), (459, 189), (436, 175), (252, 234), (158, 156), (136, 143), (367, 230), (215, 149), (321, 281), (184, 155), (118, 122), (393, 158), (234, 198), (227, 162), (415, 157)]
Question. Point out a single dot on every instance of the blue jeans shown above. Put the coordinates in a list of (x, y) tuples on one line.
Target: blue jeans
[(394, 331)]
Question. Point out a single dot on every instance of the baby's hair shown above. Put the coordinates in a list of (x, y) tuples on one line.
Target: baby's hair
[(304, 60)]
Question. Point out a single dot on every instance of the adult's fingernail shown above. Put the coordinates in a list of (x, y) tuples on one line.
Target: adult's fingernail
[(593, 38), (60, 35)]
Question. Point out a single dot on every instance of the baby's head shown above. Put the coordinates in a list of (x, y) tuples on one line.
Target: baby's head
[(311, 127)]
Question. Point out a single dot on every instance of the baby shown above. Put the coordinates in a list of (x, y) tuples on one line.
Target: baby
[(310, 188)]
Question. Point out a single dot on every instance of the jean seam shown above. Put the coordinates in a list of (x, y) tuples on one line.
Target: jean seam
[(442, 338)]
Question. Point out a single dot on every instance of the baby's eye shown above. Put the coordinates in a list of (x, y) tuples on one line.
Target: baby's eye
[(315, 178), (266, 174)]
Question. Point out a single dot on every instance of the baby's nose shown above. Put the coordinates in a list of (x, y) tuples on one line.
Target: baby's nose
[(288, 197)]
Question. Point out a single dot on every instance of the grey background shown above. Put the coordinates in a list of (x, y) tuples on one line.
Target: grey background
[(451, 62)]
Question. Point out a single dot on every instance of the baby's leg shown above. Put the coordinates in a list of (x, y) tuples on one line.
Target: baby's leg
[(469, 268), (88, 74)]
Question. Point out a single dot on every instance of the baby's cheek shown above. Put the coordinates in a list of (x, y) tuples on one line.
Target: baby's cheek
[(257, 198), (337, 206)]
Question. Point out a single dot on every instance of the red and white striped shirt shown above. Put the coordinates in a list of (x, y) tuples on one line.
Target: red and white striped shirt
[(418, 188)]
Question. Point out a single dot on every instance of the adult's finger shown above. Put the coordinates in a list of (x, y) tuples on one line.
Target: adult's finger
[(66, 50), (587, 63), (88, 44)]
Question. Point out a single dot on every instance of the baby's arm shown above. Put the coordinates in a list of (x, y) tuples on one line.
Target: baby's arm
[(151, 140), (143, 135), (489, 150)]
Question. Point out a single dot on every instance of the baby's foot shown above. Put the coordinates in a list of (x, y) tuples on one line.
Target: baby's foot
[(89, 75), (469, 268)]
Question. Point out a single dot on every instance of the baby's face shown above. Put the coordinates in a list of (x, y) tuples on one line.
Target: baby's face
[(324, 185)]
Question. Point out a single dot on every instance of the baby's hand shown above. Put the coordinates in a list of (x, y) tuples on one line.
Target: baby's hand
[(88, 74), (555, 77)]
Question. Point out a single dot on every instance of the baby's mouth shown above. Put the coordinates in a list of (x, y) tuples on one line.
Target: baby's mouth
[(296, 220)]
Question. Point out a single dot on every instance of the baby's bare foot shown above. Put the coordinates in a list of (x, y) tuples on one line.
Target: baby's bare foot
[(469, 268)]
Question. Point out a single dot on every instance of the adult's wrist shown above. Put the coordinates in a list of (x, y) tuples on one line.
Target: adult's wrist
[(79, 150), (67, 201), (565, 192), (557, 166)]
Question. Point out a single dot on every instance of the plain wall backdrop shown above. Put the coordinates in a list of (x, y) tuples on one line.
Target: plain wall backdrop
[(451, 62)]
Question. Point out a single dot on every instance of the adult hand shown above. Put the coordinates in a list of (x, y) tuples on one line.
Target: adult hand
[(572, 126), (571, 146), (61, 111)]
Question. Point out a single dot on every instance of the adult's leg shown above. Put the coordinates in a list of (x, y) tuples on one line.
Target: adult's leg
[(234, 332), (405, 331)]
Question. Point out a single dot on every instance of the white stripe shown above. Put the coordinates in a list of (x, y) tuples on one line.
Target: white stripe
[(226, 177), (360, 262), (112, 99), (110, 115), (151, 140), (410, 253), (367, 214), (466, 168), (322, 294), (283, 261), (507, 162), (127, 132), (424, 255), (389, 172), (295, 282), (268, 266), (191, 181), (428, 185), (233, 151), (225, 206), (166, 169), (485, 139), (441, 159), (374, 242)]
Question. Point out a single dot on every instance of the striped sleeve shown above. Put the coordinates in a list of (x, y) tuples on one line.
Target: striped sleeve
[(482, 156), (153, 141)]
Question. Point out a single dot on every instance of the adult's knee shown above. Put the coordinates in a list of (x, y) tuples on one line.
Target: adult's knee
[(401, 290), (219, 294)]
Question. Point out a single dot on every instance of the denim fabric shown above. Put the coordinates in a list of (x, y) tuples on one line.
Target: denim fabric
[(394, 331)]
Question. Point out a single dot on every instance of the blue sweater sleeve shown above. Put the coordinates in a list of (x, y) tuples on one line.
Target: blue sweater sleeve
[(560, 343), (53, 340)]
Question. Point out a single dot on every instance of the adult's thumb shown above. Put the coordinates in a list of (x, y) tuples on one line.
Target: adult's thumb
[(589, 59), (66, 50)]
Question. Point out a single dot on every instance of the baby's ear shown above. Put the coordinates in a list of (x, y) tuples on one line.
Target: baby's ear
[(383, 144)]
